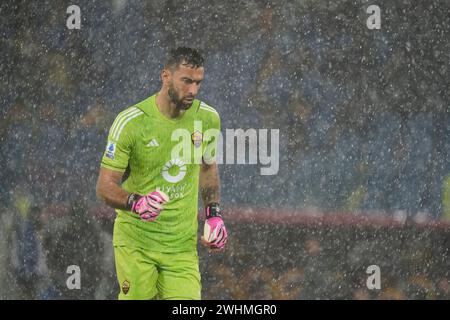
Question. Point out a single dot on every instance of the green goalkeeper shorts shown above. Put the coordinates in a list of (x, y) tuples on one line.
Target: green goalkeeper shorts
[(146, 275)]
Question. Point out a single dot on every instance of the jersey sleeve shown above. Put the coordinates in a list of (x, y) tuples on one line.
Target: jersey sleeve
[(119, 145), (212, 136)]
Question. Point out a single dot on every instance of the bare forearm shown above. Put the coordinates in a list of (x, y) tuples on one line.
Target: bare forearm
[(114, 196), (209, 184), (110, 192), (210, 194)]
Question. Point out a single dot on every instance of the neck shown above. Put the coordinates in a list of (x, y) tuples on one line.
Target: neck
[(166, 106)]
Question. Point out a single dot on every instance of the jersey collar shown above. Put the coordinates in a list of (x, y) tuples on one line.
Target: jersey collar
[(148, 106)]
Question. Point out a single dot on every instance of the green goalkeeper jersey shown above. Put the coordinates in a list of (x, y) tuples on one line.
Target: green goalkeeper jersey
[(161, 154)]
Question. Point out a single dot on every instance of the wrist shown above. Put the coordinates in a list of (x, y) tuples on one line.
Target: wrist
[(213, 210), (131, 200)]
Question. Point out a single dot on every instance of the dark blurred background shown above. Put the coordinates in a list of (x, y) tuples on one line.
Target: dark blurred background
[(364, 133)]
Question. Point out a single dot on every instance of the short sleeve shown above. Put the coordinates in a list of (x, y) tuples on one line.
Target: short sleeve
[(120, 142)]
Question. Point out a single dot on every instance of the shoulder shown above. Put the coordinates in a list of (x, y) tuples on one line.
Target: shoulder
[(125, 119), (207, 112), (130, 111), (206, 108)]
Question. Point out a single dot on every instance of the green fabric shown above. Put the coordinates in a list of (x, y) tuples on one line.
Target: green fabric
[(145, 275), (141, 138), (446, 198)]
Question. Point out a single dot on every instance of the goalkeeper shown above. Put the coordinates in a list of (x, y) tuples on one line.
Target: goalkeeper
[(155, 231)]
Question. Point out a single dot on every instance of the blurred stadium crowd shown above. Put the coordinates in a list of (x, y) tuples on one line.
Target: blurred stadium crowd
[(363, 114)]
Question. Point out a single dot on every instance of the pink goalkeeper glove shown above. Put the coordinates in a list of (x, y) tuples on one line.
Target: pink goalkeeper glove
[(148, 207), (214, 233)]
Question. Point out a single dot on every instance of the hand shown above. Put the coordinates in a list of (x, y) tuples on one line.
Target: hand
[(214, 233), (150, 206)]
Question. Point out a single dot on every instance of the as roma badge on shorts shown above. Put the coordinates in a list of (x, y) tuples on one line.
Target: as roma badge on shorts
[(125, 287), (197, 138)]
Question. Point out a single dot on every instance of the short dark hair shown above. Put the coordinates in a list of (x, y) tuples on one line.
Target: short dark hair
[(185, 56)]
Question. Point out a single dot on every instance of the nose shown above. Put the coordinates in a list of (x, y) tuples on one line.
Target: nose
[(193, 89)]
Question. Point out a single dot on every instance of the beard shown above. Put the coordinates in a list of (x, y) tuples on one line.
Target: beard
[(177, 100)]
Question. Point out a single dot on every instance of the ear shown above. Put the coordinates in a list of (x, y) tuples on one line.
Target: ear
[(165, 76)]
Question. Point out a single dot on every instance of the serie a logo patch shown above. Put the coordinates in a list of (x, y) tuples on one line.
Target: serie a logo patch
[(110, 150)]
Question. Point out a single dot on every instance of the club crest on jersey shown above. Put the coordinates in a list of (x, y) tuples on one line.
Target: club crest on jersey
[(197, 138), (125, 287), (110, 150)]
